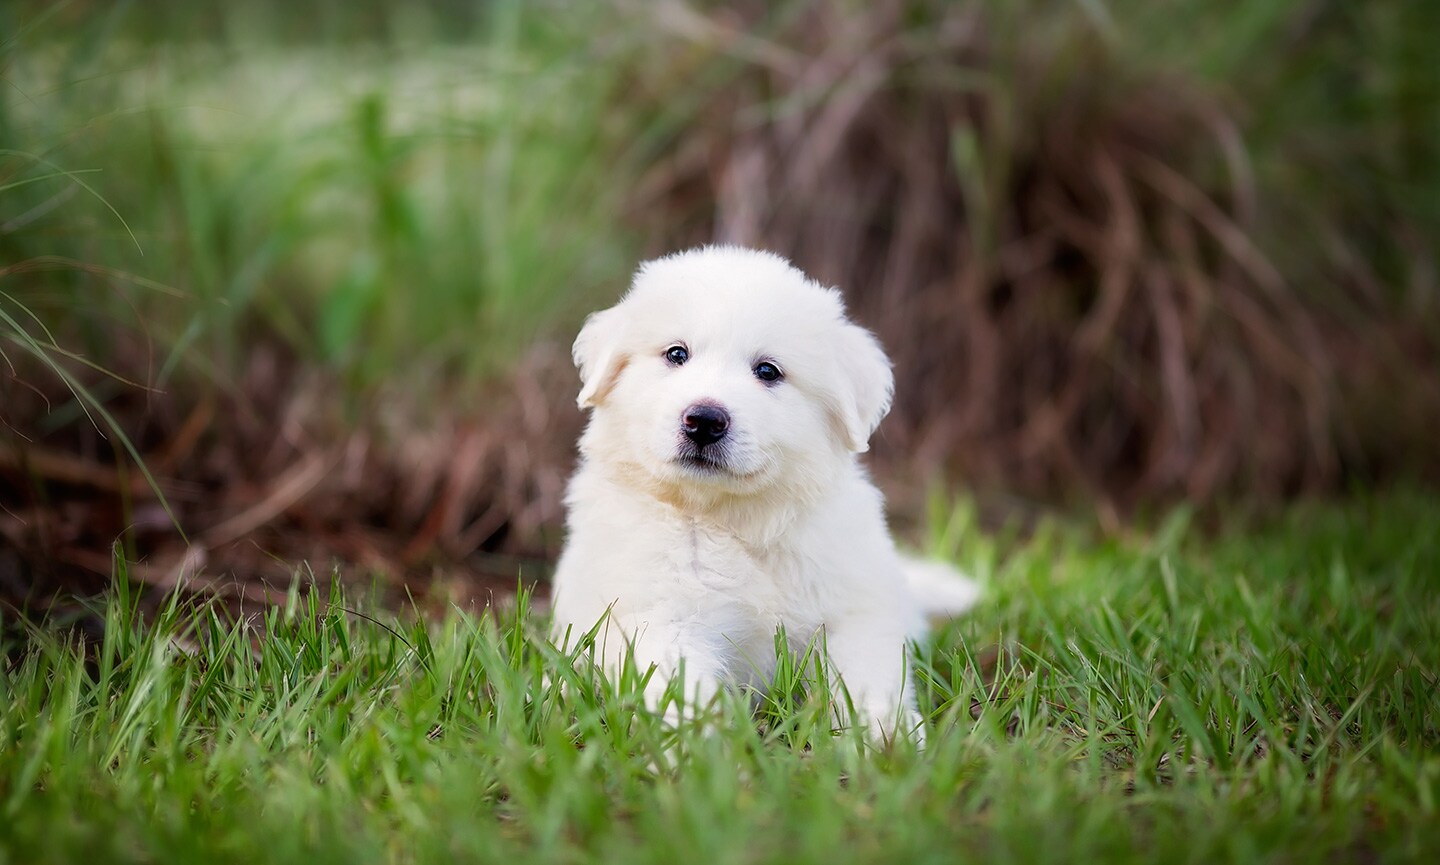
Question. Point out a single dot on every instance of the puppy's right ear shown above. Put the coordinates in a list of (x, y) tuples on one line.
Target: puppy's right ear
[(868, 384), (597, 355)]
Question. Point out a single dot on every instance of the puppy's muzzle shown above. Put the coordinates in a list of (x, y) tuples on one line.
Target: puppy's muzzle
[(705, 423)]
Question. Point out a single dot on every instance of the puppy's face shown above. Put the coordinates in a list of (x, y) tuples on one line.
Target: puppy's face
[(728, 371)]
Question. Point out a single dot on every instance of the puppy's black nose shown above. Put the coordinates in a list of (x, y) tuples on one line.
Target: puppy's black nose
[(704, 423)]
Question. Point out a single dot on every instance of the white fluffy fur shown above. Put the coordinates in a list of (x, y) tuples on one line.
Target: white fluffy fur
[(702, 564)]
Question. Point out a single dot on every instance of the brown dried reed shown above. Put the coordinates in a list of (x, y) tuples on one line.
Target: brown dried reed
[(1062, 257)]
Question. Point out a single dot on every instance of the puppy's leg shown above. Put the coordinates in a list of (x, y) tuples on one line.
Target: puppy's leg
[(871, 664), (675, 652)]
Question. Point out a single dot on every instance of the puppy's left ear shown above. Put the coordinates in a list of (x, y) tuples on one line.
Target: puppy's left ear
[(866, 385), (597, 355)]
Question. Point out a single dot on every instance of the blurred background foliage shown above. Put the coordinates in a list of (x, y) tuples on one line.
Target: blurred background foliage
[(319, 267)]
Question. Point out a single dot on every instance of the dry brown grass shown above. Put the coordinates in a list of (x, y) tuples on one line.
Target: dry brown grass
[(1061, 256), (275, 471)]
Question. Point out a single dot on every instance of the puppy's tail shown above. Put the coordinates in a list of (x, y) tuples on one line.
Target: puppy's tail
[(942, 592)]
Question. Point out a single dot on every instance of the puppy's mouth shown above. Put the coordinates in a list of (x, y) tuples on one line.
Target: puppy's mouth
[(712, 468), (703, 462), (706, 461)]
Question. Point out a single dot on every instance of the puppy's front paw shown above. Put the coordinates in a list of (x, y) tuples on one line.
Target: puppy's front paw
[(908, 725), (886, 724)]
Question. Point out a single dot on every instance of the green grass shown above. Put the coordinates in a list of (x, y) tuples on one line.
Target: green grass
[(378, 208), (1263, 695)]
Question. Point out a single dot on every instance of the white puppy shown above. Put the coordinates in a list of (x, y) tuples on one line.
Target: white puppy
[(719, 496)]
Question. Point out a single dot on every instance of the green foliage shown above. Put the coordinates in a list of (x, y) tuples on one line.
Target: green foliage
[(1263, 697), (413, 193), (380, 209)]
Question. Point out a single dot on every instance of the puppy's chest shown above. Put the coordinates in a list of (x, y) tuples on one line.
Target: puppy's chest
[(773, 581)]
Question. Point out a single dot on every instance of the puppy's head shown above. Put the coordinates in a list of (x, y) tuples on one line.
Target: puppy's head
[(728, 370)]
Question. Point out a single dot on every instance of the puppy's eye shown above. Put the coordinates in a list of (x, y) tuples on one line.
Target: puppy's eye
[(677, 355), (768, 372)]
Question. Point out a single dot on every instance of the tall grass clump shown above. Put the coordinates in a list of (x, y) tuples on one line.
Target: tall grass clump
[(229, 223), (1114, 248)]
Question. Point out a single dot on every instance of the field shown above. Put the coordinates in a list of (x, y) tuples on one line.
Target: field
[(1267, 695), (285, 395)]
